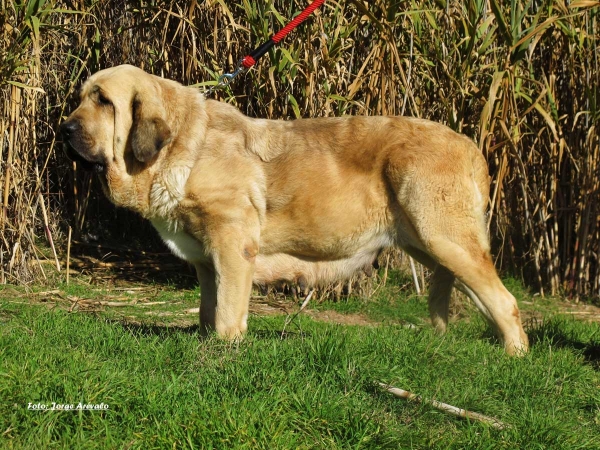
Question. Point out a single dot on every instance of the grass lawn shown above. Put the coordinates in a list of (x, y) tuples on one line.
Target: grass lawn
[(315, 387)]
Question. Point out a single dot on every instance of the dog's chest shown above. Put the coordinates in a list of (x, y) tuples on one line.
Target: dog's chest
[(179, 242)]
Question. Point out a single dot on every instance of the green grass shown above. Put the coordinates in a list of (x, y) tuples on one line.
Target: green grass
[(166, 388)]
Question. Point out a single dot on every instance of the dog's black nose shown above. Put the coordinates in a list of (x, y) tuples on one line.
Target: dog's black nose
[(69, 128)]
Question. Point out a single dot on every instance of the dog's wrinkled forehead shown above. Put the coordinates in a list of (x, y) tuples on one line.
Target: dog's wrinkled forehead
[(115, 82)]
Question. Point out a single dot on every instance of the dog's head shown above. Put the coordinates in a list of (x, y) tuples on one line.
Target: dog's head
[(120, 124)]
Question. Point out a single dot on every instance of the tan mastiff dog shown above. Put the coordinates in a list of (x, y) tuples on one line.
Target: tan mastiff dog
[(313, 201)]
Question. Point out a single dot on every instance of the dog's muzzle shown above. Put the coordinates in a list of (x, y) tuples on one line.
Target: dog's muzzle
[(71, 134)]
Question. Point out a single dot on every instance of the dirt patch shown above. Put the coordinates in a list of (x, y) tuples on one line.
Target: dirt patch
[(339, 318)]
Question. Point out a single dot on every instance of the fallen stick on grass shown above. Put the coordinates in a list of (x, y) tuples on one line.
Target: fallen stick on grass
[(453, 410)]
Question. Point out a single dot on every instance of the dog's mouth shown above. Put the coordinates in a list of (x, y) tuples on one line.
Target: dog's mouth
[(85, 164), (74, 140)]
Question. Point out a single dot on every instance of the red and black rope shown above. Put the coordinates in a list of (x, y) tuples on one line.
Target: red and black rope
[(251, 59)]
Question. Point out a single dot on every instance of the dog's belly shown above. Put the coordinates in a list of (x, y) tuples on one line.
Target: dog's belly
[(311, 271)]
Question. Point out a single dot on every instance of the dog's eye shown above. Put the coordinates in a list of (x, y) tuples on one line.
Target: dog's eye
[(103, 100)]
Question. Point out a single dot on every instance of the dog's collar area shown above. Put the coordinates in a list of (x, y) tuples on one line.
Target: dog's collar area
[(225, 79)]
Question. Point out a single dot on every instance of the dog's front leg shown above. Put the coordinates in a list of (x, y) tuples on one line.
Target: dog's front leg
[(233, 255)]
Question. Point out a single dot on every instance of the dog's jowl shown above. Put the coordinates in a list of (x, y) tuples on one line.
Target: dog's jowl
[(259, 201)]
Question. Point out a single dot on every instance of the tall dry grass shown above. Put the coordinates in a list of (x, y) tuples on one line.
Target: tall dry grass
[(521, 78)]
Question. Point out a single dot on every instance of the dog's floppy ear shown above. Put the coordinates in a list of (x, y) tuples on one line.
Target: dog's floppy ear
[(149, 131)]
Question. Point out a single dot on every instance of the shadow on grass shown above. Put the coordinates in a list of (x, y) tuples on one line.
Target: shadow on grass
[(280, 335), (130, 265), (147, 329), (557, 334)]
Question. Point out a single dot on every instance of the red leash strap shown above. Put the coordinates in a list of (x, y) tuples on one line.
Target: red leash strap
[(251, 59)]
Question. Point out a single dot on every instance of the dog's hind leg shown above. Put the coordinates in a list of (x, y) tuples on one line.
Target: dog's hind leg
[(472, 265), (440, 289), (451, 239), (471, 295), (441, 283)]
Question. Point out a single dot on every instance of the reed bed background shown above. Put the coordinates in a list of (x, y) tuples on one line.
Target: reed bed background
[(521, 78)]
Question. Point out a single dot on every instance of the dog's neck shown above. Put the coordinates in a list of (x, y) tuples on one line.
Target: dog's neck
[(127, 190)]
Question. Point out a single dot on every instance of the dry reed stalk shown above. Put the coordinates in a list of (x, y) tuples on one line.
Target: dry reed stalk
[(29, 234), (15, 111), (2, 274), (47, 230), (385, 270), (413, 271), (289, 319), (68, 255)]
